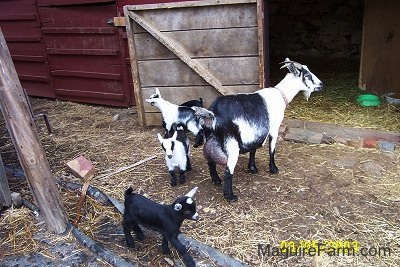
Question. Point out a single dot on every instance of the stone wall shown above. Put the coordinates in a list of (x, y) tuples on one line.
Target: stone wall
[(329, 28)]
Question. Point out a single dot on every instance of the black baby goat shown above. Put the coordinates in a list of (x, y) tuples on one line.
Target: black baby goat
[(165, 219)]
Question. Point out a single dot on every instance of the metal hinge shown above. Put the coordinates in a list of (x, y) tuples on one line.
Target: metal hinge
[(116, 22)]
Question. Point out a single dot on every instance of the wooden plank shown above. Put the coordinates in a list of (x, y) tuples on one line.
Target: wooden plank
[(153, 119), (89, 52), (201, 43), (85, 74), (261, 42), (187, 4), (5, 194), (78, 30), (228, 71), (34, 78), (26, 141), (17, 17), (181, 53), (134, 68), (380, 53), (23, 38), (178, 95), (28, 58), (208, 17), (88, 94)]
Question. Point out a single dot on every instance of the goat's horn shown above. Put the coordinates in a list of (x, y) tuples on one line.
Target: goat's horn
[(192, 192), (287, 64)]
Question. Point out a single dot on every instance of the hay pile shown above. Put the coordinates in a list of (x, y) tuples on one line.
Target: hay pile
[(322, 192)]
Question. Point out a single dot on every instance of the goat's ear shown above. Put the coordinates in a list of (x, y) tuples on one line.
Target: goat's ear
[(158, 92), (160, 137), (175, 135), (177, 206), (192, 192)]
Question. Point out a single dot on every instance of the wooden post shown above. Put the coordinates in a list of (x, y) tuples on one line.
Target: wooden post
[(27, 144), (5, 194)]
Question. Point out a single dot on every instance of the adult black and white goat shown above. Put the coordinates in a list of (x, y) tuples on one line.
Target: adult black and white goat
[(165, 219), (177, 152), (242, 123), (180, 115)]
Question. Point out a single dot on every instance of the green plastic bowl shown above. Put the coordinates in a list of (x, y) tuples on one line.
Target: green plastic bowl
[(368, 100)]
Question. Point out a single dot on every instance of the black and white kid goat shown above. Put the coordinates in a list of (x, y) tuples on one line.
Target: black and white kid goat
[(180, 115), (177, 152), (165, 219), (242, 123)]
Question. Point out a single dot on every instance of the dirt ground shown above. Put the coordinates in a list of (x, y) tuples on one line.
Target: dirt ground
[(323, 193)]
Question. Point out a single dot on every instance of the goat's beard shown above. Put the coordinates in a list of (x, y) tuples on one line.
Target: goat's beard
[(307, 94)]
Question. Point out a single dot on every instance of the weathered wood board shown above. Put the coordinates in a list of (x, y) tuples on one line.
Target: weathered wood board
[(380, 55), (194, 49)]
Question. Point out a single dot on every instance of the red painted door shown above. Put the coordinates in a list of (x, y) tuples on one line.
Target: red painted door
[(19, 22), (86, 56)]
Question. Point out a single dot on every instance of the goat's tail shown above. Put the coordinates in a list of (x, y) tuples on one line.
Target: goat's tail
[(128, 191)]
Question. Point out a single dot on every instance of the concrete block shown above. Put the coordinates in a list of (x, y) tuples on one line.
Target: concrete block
[(303, 136)]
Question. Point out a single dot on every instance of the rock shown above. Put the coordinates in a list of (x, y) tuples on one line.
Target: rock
[(345, 163), (370, 143), (387, 146), (372, 168), (16, 199), (357, 143), (341, 140)]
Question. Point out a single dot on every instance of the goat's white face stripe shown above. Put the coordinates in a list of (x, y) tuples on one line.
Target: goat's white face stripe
[(167, 144)]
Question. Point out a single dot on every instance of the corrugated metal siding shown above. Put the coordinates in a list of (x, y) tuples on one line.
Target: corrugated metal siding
[(20, 24)]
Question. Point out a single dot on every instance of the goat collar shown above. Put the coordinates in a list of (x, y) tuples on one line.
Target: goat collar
[(283, 96)]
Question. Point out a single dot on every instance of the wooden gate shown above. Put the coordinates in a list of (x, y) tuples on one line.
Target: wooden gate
[(194, 49)]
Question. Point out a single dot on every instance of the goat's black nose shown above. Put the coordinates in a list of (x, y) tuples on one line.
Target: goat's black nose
[(169, 156), (319, 88)]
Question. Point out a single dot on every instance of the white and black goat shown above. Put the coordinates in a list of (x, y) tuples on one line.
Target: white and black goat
[(177, 152), (242, 123), (180, 115), (165, 219)]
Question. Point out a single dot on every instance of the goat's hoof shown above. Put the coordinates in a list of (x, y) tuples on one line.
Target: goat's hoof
[(182, 181), (140, 236), (131, 245), (274, 170), (173, 183), (166, 250), (253, 170), (217, 182), (189, 262), (231, 198)]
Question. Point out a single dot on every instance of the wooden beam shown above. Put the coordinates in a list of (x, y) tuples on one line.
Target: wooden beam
[(5, 194), (261, 43), (135, 70), (187, 4), (175, 48), (27, 144)]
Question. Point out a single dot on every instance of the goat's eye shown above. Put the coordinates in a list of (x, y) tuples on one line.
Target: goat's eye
[(187, 212)]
